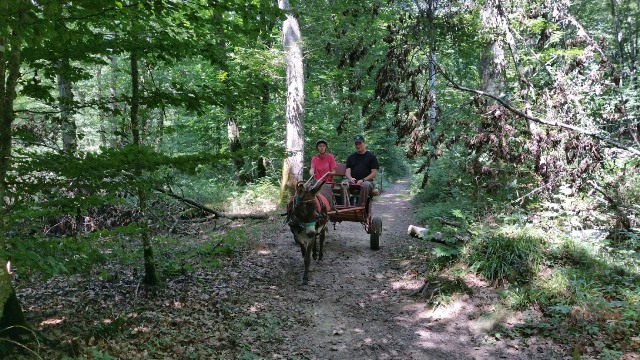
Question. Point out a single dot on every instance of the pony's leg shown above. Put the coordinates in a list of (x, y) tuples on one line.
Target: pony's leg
[(322, 236), (300, 242), (307, 261), (315, 248)]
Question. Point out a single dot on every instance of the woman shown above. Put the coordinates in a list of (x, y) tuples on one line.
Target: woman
[(322, 163)]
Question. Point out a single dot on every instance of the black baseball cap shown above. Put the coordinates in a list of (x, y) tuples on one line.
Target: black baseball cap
[(358, 138)]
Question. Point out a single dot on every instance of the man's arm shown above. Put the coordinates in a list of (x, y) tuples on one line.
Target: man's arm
[(371, 176), (347, 174)]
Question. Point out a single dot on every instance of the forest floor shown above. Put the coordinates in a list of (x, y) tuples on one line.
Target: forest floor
[(359, 304)]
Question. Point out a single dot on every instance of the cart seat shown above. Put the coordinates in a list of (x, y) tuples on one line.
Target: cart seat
[(340, 193)]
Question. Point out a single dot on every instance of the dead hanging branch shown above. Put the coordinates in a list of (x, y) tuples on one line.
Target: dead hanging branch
[(632, 150), (623, 220), (210, 210)]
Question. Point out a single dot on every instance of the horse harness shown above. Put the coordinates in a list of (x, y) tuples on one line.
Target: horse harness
[(322, 207)]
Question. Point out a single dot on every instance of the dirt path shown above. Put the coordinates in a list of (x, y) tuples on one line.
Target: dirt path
[(359, 304)]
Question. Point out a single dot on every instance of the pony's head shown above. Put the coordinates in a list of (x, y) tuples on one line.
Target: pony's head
[(303, 214)]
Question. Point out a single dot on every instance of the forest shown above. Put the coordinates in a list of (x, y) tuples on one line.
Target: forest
[(148, 143)]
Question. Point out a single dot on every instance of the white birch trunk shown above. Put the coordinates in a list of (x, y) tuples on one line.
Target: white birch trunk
[(291, 40)]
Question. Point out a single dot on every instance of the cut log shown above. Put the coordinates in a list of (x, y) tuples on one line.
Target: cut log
[(421, 233), (416, 231)]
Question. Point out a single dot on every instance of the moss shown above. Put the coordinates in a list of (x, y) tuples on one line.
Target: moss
[(12, 321), (5, 288)]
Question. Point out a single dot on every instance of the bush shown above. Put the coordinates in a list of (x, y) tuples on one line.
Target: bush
[(504, 257), (52, 256)]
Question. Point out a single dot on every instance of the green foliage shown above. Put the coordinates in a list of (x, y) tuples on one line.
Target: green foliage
[(367, 72), (174, 258), (53, 256), (446, 251), (506, 257), (108, 329), (226, 194), (590, 295), (585, 282)]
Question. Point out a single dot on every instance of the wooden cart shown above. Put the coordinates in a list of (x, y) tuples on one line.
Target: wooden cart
[(350, 206)]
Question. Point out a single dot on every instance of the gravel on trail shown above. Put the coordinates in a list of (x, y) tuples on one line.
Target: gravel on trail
[(360, 303)]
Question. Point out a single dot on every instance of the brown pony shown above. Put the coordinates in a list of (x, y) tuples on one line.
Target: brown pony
[(307, 217)]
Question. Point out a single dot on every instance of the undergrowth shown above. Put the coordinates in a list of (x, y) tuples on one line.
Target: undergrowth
[(554, 252)]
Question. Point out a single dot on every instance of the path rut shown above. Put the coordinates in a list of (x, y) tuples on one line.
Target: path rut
[(359, 303)]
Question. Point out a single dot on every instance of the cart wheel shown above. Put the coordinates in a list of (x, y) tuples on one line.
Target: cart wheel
[(376, 230)]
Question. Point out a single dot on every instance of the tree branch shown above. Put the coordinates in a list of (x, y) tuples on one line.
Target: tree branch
[(520, 113), (210, 210)]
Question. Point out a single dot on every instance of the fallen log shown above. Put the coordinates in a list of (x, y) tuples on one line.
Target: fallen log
[(423, 233), (209, 210), (420, 233)]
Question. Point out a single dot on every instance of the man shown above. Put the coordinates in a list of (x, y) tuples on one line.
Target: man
[(362, 167)]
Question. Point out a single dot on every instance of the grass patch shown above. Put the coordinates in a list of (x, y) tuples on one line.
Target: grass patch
[(545, 252), (505, 256)]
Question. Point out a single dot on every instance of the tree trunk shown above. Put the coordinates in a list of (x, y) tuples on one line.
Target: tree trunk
[(525, 89), (633, 54), (264, 117), (433, 118), (293, 164), (150, 274), (113, 94), (492, 63), (233, 133), (233, 136), (65, 101), (617, 33), (11, 43), (12, 321), (633, 63), (492, 60), (160, 128), (101, 117), (431, 12), (135, 100)]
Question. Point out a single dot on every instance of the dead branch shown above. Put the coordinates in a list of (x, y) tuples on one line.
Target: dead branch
[(520, 113), (446, 222), (210, 210), (624, 219)]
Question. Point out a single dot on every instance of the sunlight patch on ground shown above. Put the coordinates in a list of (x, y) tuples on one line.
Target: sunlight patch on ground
[(260, 248), (420, 312), (447, 311), (141, 329), (256, 307), (52, 321), (488, 321), (408, 284)]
